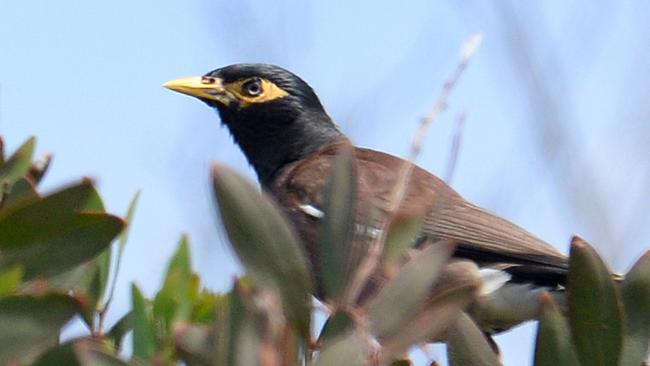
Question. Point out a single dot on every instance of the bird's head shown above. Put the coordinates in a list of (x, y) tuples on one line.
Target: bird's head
[(273, 115)]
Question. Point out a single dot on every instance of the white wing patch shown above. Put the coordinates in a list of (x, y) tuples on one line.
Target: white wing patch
[(312, 211), (492, 280)]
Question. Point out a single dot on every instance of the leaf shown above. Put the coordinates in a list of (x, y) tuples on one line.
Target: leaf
[(247, 345), (594, 307), (402, 235), (264, 242), (10, 280), (144, 342), (80, 279), (636, 297), (176, 299), (62, 354), (553, 346), (455, 289), (32, 229), (46, 253), (466, 345), (336, 325), (105, 263), (22, 191), (229, 324), (396, 302), (120, 329), (337, 227), (91, 353), (349, 350), (205, 307), (32, 324), (48, 214), (19, 163), (130, 214)]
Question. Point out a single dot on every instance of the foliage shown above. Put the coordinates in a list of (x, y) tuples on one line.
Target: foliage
[(55, 264)]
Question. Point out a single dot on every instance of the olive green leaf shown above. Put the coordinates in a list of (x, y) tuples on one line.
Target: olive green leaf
[(144, 342), (466, 345), (398, 299), (31, 324), (636, 297), (553, 346), (19, 163), (594, 307), (264, 242), (336, 228), (349, 350)]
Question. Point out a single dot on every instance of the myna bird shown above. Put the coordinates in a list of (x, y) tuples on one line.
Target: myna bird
[(281, 126)]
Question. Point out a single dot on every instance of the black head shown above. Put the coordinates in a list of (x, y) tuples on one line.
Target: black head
[(273, 115)]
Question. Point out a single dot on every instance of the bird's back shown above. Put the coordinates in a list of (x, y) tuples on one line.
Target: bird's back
[(481, 235)]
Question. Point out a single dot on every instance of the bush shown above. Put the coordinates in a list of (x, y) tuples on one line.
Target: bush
[(55, 254)]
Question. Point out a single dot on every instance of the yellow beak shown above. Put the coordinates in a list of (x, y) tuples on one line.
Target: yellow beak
[(206, 88)]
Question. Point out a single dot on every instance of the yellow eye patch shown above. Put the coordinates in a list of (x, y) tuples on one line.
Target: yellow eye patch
[(265, 91)]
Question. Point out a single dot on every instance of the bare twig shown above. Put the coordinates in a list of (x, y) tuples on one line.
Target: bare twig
[(455, 146), (370, 262)]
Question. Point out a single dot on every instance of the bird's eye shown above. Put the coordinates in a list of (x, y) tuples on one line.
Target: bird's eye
[(253, 87)]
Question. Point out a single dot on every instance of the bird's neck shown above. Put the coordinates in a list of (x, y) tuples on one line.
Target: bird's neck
[(269, 145)]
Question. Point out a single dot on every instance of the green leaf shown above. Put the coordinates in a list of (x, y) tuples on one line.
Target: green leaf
[(402, 235), (594, 307), (62, 354), (466, 345), (229, 324), (32, 324), (349, 350), (81, 280), (21, 192), (10, 280), (336, 325), (35, 231), (264, 242), (19, 163), (455, 289), (105, 263), (248, 344), (553, 346), (130, 214), (91, 353), (100, 280), (396, 302), (144, 342), (48, 214), (336, 228), (119, 330), (636, 297), (45, 252), (205, 307), (176, 299)]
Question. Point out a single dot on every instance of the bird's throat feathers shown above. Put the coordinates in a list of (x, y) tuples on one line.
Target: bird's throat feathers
[(272, 138)]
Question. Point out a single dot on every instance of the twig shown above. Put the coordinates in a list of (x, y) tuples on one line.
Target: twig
[(122, 243), (370, 262), (455, 146)]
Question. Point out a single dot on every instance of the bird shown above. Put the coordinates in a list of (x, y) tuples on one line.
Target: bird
[(291, 142)]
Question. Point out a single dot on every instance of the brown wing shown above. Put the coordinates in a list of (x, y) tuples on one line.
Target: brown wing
[(482, 236)]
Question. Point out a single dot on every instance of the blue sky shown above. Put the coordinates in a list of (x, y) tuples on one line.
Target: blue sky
[(556, 137)]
